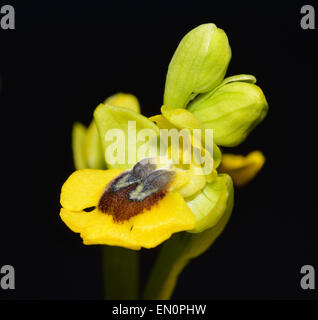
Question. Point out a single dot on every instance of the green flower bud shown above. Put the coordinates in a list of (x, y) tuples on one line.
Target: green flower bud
[(198, 65), (232, 110)]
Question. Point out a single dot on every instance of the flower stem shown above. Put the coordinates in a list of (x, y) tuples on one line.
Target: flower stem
[(120, 273), (167, 268), (177, 252)]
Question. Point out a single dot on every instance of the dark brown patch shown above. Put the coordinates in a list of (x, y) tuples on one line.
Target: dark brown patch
[(118, 204)]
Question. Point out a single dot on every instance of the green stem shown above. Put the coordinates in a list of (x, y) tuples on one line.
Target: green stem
[(120, 273), (167, 268), (177, 252)]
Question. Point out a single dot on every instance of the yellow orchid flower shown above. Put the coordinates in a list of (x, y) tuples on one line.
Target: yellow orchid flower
[(140, 203), (242, 169), (130, 209)]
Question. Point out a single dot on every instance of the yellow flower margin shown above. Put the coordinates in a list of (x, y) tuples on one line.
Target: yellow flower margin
[(148, 229)]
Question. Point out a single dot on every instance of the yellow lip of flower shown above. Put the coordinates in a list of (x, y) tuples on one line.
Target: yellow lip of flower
[(80, 197)]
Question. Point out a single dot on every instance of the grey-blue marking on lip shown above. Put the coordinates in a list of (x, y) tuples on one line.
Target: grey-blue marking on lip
[(125, 180), (143, 168), (146, 176), (154, 182)]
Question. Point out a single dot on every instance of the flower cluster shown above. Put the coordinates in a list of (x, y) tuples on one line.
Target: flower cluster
[(142, 204)]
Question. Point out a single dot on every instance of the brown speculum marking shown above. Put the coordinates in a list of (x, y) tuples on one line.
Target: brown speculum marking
[(135, 191)]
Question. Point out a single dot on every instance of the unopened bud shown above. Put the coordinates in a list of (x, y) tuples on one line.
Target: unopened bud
[(198, 65), (232, 110)]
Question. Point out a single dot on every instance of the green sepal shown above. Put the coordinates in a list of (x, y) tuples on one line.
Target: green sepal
[(217, 156), (209, 204), (238, 78), (248, 78), (94, 149), (79, 134), (109, 117)]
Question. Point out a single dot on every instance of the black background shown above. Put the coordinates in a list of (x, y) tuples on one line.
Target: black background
[(64, 58)]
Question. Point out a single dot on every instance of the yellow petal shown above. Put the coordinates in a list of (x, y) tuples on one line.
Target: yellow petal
[(84, 188), (161, 122), (242, 168), (181, 118), (124, 100)]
